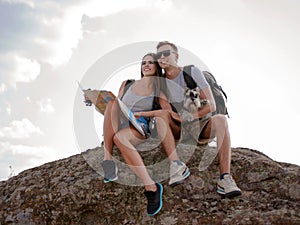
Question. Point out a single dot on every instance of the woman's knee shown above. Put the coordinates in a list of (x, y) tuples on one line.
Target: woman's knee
[(123, 137), (109, 108), (161, 123), (116, 140), (119, 138), (163, 115)]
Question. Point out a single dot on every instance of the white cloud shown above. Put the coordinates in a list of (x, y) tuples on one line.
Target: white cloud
[(26, 70), (69, 27), (25, 2), (37, 152), (20, 129), (163, 5), (46, 105), (96, 8), (2, 88), (55, 31), (16, 158), (8, 109), (17, 68), (61, 35), (59, 25)]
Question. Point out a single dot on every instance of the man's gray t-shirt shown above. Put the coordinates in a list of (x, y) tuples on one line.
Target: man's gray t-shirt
[(176, 86)]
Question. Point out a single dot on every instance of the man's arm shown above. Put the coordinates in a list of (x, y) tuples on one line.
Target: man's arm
[(205, 93), (209, 107)]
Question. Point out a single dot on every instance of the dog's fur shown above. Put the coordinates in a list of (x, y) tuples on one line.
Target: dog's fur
[(191, 103)]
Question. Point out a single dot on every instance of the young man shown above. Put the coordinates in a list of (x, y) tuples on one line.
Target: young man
[(210, 126)]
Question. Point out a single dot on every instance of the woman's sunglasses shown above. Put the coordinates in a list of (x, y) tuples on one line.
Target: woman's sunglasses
[(165, 53)]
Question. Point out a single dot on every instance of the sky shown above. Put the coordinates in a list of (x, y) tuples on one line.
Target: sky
[(252, 47)]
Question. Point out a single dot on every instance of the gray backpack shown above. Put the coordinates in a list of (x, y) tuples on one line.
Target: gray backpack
[(217, 91)]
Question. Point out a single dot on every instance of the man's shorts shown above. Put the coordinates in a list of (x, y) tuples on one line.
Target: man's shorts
[(194, 129)]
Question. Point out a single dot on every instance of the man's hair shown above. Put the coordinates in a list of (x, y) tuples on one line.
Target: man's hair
[(162, 43)]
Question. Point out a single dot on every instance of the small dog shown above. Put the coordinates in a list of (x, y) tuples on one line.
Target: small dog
[(191, 103)]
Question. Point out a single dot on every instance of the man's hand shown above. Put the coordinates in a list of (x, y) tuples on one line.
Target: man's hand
[(186, 116)]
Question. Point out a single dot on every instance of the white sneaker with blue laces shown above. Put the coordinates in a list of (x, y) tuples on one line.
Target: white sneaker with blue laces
[(227, 187), (178, 172)]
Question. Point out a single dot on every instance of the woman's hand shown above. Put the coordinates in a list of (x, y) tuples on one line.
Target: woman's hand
[(159, 113), (145, 114), (91, 95)]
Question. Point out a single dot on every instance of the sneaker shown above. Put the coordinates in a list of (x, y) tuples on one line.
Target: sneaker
[(227, 187), (178, 173), (154, 200), (110, 170)]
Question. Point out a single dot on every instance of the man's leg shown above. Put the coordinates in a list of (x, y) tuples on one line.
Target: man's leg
[(167, 129), (218, 127)]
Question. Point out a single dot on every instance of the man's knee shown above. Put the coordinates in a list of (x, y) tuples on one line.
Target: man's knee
[(220, 121)]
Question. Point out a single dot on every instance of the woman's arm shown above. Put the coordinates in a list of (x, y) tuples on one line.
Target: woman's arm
[(166, 107)]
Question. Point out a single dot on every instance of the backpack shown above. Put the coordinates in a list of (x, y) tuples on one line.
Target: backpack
[(217, 91)]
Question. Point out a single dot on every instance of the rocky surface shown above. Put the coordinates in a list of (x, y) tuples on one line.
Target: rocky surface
[(72, 191)]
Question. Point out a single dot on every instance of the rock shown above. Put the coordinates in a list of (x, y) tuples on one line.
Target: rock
[(72, 191)]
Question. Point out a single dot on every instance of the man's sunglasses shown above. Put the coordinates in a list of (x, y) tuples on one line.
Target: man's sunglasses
[(165, 53)]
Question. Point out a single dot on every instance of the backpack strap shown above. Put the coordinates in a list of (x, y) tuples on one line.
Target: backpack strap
[(127, 85), (190, 83), (187, 74)]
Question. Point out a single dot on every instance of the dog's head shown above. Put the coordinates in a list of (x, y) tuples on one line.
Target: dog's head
[(192, 100)]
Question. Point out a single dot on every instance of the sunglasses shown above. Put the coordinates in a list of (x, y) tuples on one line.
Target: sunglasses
[(164, 53)]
